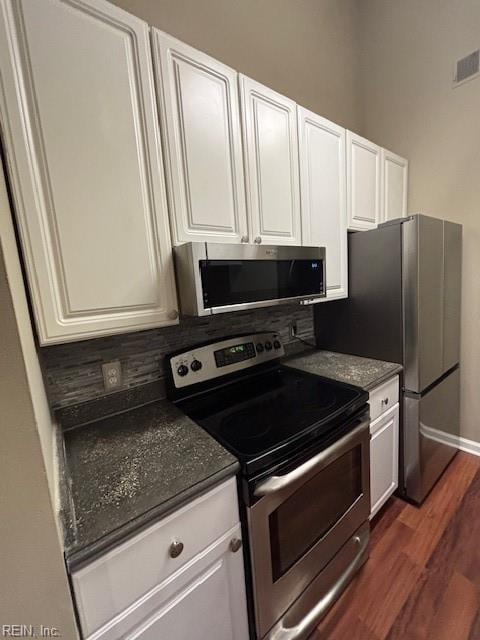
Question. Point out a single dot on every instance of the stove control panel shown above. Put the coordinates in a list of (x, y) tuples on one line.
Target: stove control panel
[(223, 357)]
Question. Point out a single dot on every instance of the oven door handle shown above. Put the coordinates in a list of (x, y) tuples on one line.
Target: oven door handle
[(313, 617), (276, 483)]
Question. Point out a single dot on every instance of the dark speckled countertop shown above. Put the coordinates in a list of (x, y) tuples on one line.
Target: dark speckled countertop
[(361, 372), (125, 471)]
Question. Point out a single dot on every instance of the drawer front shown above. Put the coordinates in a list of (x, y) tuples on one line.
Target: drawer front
[(383, 458), (104, 588), (383, 398)]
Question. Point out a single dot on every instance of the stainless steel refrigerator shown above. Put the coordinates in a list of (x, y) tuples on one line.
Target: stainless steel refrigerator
[(404, 306)]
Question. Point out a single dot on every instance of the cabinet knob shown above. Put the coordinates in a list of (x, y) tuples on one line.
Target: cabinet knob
[(173, 315), (258, 240), (176, 548), (244, 239), (385, 401), (235, 544)]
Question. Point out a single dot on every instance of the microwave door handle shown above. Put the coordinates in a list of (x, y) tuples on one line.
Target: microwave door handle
[(276, 483), (314, 616)]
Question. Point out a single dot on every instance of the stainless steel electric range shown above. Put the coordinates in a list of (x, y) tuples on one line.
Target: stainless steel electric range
[(303, 446)]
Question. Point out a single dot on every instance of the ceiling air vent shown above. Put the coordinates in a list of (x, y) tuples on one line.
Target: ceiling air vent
[(467, 68)]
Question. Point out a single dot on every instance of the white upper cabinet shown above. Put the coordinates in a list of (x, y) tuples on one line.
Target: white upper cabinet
[(82, 145), (364, 179), (323, 195), (395, 185), (199, 107), (271, 161)]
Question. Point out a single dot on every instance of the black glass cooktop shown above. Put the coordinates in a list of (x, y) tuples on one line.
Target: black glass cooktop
[(271, 410)]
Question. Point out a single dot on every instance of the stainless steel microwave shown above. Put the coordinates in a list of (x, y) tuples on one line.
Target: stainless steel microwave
[(217, 278)]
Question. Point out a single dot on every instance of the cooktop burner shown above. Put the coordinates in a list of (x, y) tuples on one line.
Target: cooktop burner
[(259, 413), (259, 409)]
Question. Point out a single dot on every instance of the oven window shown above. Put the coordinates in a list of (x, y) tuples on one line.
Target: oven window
[(227, 282), (307, 515)]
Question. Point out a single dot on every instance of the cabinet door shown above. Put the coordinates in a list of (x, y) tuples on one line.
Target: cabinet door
[(383, 458), (323, 195), (201, 126), (82, 146), (395, 185), (203, 601), (271, 161), (363, 183)]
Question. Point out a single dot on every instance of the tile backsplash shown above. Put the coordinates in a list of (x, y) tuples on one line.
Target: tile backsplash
[(74, 371)]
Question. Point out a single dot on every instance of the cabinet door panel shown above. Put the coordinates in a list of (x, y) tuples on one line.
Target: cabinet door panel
[(201, 125), (201, 608), (203, 600), (82, 140), (395, 185), (271, 151), (383, 458), (363, 183), (323, 195)]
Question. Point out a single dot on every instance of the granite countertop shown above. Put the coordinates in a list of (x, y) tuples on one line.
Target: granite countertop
[(365, 373), (125, 471)]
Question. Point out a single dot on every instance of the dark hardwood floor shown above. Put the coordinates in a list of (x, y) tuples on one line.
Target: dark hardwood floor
[(422, 580)]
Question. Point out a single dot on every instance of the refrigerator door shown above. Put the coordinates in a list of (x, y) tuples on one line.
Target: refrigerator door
[(452, 238), (431, 431), (423, 282), (369, 322)]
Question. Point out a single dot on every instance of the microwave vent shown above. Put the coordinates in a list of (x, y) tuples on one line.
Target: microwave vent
[(467, 68)]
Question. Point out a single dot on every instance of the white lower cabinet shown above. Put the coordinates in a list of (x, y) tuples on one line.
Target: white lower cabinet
[(383, 458), (144, 589), (384, 428)]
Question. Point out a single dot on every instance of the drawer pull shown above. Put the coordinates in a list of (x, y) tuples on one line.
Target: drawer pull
[(235, 544), (385, 401), (176, 548)]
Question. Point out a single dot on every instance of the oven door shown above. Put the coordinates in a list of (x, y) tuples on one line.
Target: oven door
[(303, 518)]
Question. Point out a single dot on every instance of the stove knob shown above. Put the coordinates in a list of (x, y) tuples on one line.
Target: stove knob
[(182, 370), (196, 365), (259, 347), (268, 345), (276, 344)]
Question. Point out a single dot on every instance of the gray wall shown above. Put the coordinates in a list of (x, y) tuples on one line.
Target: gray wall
[(34, 588), (408, 54), (305, 49)]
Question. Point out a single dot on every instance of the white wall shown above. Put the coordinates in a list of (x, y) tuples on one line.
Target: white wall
[(34, 588), (409, 105), (306, 49)]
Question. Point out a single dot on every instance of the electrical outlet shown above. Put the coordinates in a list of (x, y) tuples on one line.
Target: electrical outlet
[(112, 375)]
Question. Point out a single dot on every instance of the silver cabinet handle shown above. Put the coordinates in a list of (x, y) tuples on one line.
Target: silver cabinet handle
[(176, 548), (258, 240), (314, 615), (244, 239), (275, 483), (235, 544), (173, 315)]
